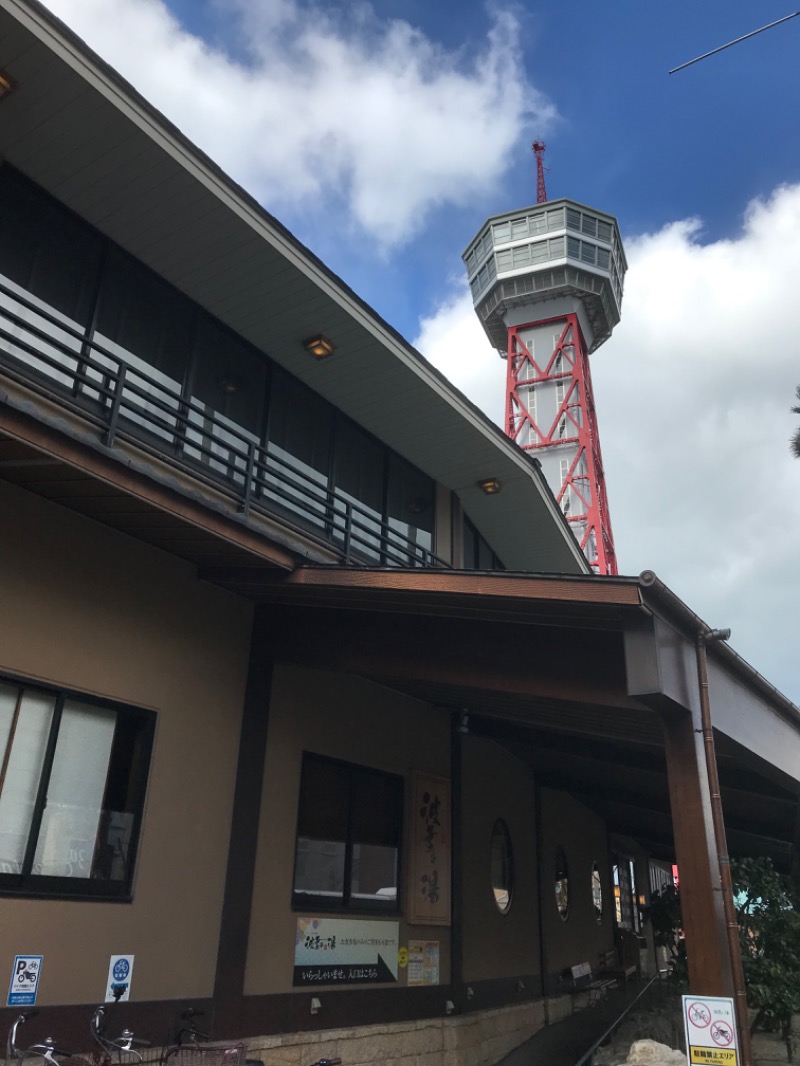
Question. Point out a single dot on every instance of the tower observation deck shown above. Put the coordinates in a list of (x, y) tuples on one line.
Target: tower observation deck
[(547, 287)]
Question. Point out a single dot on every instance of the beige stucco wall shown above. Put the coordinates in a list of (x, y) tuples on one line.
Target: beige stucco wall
[(497, 785), (347, 718), (90, 609), (582, 835)]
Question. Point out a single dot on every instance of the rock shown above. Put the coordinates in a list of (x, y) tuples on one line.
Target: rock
[(650, 1053)]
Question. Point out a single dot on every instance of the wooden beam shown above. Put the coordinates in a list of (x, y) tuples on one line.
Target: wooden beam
[(701, 896)]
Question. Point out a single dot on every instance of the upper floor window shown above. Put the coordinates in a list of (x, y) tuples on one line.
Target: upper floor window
[(349, 828), (73, 773), (477, 552)]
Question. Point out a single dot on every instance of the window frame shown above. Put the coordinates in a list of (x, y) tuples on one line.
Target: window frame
[(28, 885), (309, 902)]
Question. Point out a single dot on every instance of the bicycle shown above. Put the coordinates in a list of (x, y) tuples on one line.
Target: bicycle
[(46, 1051), (121, 1049)]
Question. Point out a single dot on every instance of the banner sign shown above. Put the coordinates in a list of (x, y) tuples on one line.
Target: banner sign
[(343, 951), (710, 1024)]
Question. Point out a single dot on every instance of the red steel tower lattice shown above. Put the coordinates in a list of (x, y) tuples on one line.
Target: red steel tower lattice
[(567, 427), (547, 286)]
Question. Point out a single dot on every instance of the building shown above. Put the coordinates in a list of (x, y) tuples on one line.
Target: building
[(294, 708), (547, 285)]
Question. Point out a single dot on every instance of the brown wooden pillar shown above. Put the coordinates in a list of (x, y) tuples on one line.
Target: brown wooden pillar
[(698, 864), (240, 877)]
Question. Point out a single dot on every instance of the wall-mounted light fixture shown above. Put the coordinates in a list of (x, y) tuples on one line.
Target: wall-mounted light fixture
[(470, 992), (449, 1007), (7, 84), (316, 1006), (463, 722), (490, 486), (320, 347)]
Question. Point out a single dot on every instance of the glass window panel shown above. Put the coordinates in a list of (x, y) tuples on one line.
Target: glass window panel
[(49, 261), (299, 450), (484, 555), (501, 232), (589, 226), (562, 884), (322, 828), (522, 255), (573, 218), (411, 505), (597, 893), (358, 478), (148, 325), (587, 252), (604, 230), (501, 865), (602, 258), (68, 833), (519, 228), (229, 382), (555, 218), (573, 247), (377, 811), (470, 535), (503, 259), (25, 720), (556, 247)]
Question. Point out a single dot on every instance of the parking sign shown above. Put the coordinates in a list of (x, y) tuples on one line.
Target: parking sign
[(24, 981)]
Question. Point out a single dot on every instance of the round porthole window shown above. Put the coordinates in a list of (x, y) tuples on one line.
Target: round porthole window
[(597, 893), (562, 884), (502, 866)]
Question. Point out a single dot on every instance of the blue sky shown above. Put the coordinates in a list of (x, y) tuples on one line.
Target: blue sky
[(384, 134)]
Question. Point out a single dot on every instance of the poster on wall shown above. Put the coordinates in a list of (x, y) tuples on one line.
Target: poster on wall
[(343, 951), (429, 878), (423, 962)]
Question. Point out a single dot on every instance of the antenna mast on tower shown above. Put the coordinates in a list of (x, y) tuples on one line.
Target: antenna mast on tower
[(539, 150)]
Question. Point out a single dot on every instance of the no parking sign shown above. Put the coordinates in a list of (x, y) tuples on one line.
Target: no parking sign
[(710, 1024)]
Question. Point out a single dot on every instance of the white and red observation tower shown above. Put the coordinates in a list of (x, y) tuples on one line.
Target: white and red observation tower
[(547, 287)]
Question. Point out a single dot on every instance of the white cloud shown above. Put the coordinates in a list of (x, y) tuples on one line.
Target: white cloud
[(319, 101), (693, 394)]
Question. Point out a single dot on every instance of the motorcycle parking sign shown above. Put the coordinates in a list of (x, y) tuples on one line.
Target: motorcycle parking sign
[(24, 981)]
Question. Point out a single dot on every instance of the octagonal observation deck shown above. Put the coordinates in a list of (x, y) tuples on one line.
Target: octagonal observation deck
[(558, 248)]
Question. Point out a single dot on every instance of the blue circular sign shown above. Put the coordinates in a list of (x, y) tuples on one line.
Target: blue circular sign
[(121, 969)]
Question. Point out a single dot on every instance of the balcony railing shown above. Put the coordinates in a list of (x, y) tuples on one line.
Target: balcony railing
[(124, 400)]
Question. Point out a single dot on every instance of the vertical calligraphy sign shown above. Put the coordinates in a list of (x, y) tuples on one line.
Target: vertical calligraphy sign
[(429, 877)]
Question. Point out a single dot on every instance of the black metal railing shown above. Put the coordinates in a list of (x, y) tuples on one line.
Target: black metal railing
[(652, 996), (123, 399)]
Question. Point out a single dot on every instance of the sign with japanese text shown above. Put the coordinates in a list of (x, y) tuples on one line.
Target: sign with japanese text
[(429, 877), (710, 1024), (345, 951), (24, 981), (118, 983)]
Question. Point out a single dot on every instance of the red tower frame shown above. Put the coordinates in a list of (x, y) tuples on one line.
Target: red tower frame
[(573, 430)]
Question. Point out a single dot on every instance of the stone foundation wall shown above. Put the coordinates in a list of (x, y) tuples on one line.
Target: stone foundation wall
[(479, 1039)]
